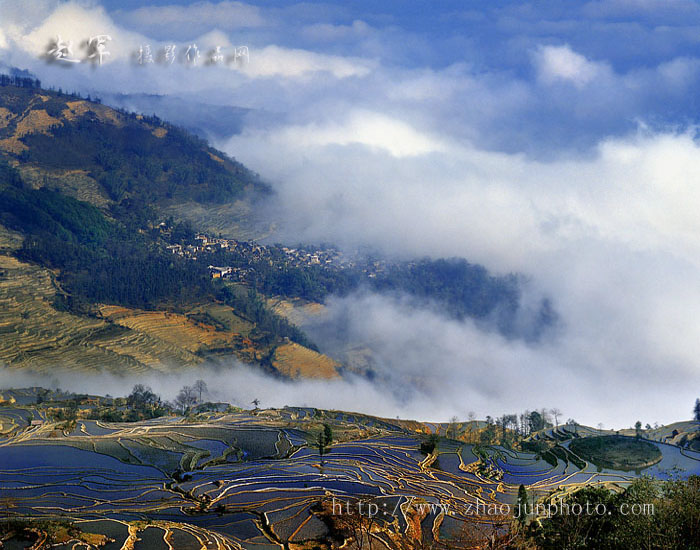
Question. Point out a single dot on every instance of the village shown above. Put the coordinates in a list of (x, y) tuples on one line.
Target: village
[(252, 252)]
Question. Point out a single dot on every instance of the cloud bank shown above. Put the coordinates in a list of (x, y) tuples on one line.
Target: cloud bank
[(556, 141)]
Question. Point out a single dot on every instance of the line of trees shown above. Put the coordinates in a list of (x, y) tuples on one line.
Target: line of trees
[(508, 429), (27, 82)]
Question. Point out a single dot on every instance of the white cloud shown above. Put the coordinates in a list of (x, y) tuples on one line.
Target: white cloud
[(77, 24), (329, 32), (680, 73), (273, 61), (370, 129), (180, 18), (614, 239), (561, 63)]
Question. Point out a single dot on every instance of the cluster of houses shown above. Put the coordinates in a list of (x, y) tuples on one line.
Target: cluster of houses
[(204, 243), (254, 252), (280, 255)]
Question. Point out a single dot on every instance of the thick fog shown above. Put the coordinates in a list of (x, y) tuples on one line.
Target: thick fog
[(562, 151)]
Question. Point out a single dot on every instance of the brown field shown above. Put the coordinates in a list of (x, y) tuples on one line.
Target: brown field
[(34, 121), (74, 183), (295, 361), (173, 328), (80, 107), (35, 335), (296, 311), (5, 117)]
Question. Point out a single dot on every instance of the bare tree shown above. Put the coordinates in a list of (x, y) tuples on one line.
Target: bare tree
[(201, 387), (471, 416), (453, 426), (255, 402), (186, 398), (556, 413)]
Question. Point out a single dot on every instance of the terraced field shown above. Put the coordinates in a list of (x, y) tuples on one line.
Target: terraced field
[(234, 219), (35, 335), (254, 480), (295, 361)]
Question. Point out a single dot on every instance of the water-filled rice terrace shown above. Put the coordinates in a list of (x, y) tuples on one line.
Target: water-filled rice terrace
[(254, 480)]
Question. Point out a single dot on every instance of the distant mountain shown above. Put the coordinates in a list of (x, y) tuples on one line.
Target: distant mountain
[(207, 120)]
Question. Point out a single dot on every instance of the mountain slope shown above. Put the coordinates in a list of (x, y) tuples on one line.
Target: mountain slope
[(87, 280), (129, 156)]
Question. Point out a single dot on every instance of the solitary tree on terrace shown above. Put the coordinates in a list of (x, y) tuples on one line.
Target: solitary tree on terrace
[(638, 428), (522, 504), (696, 410), (200, 387), (324, 440), (141, 397), (556, 413), (453, 426)]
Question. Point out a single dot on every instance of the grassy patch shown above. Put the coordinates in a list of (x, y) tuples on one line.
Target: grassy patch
[(617, 452)]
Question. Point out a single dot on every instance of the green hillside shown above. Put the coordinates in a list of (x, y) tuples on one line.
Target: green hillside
[(130, 156), (85, 188)]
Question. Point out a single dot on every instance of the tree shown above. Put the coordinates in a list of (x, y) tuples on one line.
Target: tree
[(536, 421), (546, 418), (638, 428), (522, 504), (696, 410), (453, 426), (571, 423), (142, 397), (324, 440), (429, 444), (488, 434), (255, 402), (471, 416), (328, 433), (186, 398), (556, 413), (200, 387)]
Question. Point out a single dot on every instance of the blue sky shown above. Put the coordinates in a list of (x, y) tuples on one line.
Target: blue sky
[(555, 139), (641, 56)]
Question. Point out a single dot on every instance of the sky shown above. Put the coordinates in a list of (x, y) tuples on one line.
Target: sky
[(554, 139)]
